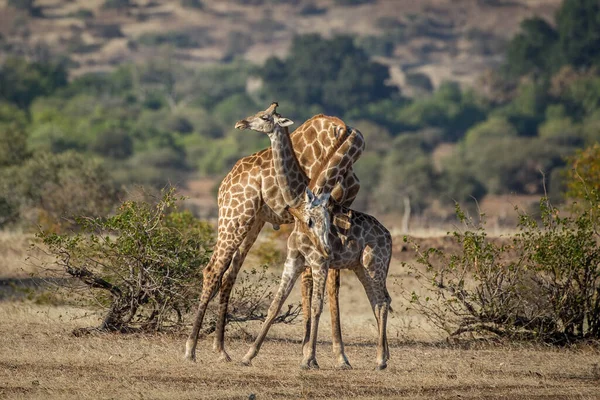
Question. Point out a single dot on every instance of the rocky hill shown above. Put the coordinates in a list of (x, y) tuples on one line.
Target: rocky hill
[(442, 39)]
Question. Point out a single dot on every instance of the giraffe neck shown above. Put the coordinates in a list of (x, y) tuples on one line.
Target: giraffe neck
[(290, 177)]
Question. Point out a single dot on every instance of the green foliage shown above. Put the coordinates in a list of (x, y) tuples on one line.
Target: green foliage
[(541, 284), (526, 110), (583, 175), (581, 95), (448, 108), (406, 173), (507, 165), (21, 82), (561, 131), (113, 143), (148, 259), (493, 128), (49, 189), (533, 49), (331, 72), (13, 137), (578, 25)]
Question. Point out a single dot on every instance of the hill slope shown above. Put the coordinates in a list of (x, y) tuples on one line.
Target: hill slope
[(441, 38)]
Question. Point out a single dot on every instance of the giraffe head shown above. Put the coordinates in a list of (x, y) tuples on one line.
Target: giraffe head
[(264, 121), (315, 220)]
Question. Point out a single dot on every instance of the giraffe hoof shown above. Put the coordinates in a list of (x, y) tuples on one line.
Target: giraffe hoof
[(190, 358), (380, 367), (245, 363), (311, 364), (344, 366), (224, 357)]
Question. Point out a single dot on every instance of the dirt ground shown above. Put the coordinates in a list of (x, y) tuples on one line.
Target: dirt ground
[(40, 358)]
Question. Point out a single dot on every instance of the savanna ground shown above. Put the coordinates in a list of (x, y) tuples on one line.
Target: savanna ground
[(40, 357)]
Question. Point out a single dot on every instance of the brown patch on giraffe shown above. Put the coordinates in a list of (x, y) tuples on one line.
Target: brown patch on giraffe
[(310, 135)]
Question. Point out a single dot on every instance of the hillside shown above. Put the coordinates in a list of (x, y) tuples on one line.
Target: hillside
[(443, 39)]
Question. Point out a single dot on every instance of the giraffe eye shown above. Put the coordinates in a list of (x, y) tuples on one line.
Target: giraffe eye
[(310, 223), (264, 117)]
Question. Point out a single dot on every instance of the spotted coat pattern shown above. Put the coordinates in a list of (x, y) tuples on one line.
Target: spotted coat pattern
[(354, 240), (249, 196)]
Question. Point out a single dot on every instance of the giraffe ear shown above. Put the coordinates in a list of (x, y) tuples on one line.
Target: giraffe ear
[(282, 121)]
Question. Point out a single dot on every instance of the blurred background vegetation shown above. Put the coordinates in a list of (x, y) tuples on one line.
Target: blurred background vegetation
[(80, 122)]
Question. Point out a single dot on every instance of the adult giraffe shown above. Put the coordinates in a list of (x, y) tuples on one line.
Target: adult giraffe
[(249, 196)]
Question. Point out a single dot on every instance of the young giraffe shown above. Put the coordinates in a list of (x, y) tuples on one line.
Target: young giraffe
[(249, 196), (352, 240)]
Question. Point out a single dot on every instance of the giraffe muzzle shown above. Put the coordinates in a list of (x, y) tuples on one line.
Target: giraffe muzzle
[(241, 125)]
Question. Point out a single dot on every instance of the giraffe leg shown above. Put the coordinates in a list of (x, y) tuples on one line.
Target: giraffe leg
[(307, 290), (382, 345), (226, 286), (231, 233), (333, 291), (379, 300), (213, 273), (319, 280), (291, 272)]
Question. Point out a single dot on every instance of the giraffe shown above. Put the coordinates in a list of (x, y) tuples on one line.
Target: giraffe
[(249, 197), (340, 239)]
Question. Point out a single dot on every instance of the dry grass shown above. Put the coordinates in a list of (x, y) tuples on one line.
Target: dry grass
[(39, 358), (13, 252)]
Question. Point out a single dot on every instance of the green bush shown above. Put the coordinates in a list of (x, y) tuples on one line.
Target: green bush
[(50, 189), (494, 127), (331, 72), (534, 49), (562, 131), (541, 284), (21, 81), (146, 260), (13, 136), (144, 264), (583, 176), (578, 25)]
